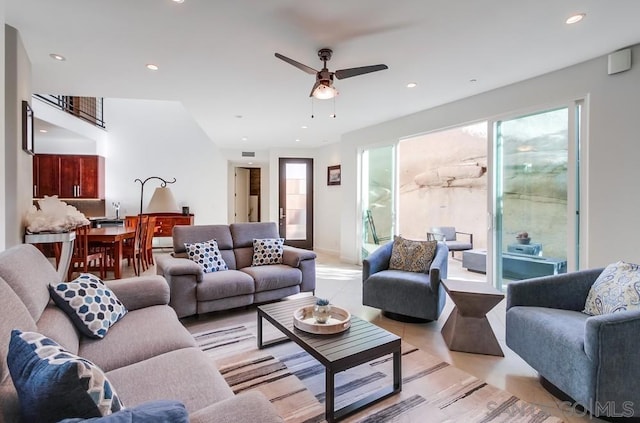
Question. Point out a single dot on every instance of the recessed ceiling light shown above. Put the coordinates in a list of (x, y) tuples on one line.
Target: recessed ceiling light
[(44, 131), (297, 140), (412, 85), (244, 138), (250, 163), (178, 1), (304, 126), (575, 18), (57, 57), (152, 67)]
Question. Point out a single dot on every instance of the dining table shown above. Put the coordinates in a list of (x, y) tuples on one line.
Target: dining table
[(114, 235)]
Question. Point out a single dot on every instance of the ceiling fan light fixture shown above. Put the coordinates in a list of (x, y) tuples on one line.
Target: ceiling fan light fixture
[(324, 91)]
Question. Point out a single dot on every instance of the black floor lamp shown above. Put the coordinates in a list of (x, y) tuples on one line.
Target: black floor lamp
[(169, 199)]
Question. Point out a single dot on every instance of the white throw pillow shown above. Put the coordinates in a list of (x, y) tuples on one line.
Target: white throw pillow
[(616, 289), (267, 251)]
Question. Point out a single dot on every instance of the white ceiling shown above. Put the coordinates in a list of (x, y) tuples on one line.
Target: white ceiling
[(217, 57)]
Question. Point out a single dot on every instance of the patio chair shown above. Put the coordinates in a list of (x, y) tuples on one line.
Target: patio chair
[(449, 236)]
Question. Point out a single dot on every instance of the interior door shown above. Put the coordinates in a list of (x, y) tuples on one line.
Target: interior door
[(295, 206), (241, 195)]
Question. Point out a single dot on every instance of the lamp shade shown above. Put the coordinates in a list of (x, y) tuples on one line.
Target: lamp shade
[(324, 91), (162, 201)]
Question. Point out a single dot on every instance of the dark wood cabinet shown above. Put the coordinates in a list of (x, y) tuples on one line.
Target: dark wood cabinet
[(68, 176), (166, 221)]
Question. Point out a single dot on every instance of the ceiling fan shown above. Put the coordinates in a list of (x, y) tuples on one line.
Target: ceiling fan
[(323, 88)]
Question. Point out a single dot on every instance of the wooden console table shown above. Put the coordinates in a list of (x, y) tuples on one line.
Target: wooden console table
[(166, 221)]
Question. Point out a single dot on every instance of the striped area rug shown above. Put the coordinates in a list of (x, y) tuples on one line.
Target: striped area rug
[(432, 390)]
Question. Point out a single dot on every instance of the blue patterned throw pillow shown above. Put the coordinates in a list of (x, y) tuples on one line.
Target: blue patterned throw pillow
[(90, 304), (207, 255), (54, 384), (267, 251), (616, 289)]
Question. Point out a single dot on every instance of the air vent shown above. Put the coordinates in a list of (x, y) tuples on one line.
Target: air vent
[(248, 154)]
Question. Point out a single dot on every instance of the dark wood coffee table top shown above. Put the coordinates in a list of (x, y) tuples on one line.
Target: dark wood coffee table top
[(470, 287), (359, 344)]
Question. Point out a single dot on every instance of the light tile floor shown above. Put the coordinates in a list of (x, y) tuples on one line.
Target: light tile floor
[(342, 284)]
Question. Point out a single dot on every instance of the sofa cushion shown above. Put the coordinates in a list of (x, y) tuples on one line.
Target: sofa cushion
[(275, 276), (207, 255), (29, 273), (227, 284), (161, 411), (54, 384), (140, 334), (267, 251), (56, 324), (243, 234), (616, 289), (14, 316), (412, 256), (90, 304), (186, 374)]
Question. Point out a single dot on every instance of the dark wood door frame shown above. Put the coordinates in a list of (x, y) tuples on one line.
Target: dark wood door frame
[(308, 242)]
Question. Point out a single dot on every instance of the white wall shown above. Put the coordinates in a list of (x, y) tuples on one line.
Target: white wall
[(610, 228), (159, 138), (327, 200), (3, 197), (18, 164)]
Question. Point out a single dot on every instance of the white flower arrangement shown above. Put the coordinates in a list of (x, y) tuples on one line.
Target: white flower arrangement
[(53, 216)]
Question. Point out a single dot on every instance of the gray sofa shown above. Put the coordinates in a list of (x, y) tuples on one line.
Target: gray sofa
[(588, 359), (147, 355), (405, 296), (195, 292)]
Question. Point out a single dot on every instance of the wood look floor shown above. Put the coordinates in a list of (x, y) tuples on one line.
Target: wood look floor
[(342, 284)]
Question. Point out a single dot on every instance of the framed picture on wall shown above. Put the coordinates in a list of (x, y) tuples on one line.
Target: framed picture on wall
[(27, 127), (333, 175)]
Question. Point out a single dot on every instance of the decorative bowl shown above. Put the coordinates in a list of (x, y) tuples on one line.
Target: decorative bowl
[(339, 321)]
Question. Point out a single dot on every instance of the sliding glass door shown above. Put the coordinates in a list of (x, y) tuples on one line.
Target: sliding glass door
[(378, 217), (536, 201)]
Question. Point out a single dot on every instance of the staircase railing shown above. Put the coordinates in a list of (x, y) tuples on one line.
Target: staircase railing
[(86, 108)]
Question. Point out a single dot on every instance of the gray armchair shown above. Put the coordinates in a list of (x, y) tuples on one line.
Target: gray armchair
[(588, 359), (405, 296), (449, 235)]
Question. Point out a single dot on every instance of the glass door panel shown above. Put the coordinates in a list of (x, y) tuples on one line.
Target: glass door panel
[(378, 171), (531, 194), (296, 202)]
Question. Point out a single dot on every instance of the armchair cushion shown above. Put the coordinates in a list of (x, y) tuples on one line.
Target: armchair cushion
[(616, 289), (90, 304), (412, 256), (267, 251), (207, 255), (54, 384)]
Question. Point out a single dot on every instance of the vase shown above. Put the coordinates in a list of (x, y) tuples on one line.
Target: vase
[(321, 313)]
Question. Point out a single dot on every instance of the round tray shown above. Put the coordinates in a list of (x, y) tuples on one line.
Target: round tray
[(339, 321)]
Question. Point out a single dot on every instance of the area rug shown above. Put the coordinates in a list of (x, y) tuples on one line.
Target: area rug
[(432, 390)]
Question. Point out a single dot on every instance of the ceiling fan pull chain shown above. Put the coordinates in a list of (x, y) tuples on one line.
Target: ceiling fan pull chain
[(312, 116), (334, 107)]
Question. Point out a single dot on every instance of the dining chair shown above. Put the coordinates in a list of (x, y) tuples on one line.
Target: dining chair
[(134, 249), (83, 256), (147, 256)]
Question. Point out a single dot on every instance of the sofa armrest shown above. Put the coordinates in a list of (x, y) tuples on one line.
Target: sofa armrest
[(376, 261), (292, 256), (249, 407), (439, 268), (567, 291), (140, 292), (174, 266)]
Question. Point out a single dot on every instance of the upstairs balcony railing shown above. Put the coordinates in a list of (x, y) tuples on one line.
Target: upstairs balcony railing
[(86, 108)]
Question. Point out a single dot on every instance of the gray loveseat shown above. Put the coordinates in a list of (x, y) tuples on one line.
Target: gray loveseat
[(195, 292), (147, 355), (590, 359)]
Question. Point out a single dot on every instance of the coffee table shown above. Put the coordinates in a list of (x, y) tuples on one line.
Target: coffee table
[(359, 344), (467, 328)]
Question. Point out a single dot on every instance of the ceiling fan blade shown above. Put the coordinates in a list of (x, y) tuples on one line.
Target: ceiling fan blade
[(298, 65), (348, 73)]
